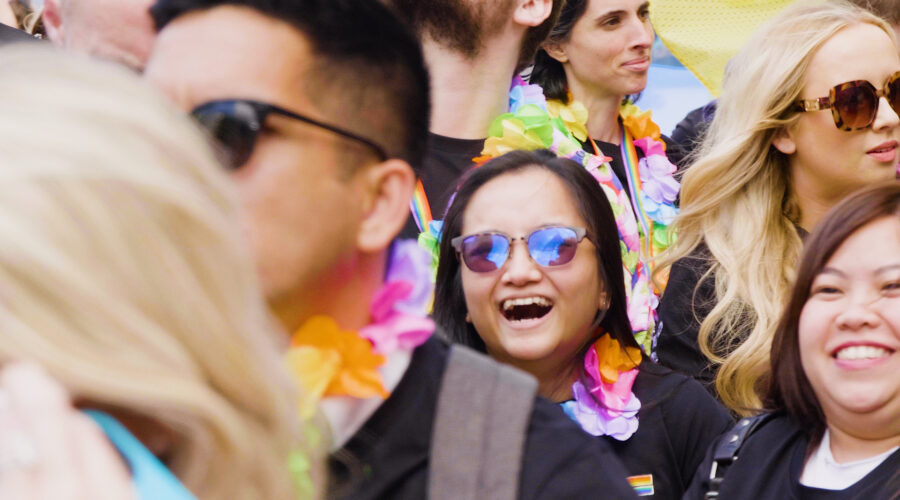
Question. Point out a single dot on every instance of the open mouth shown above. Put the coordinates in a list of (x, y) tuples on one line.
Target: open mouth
[(859, 352), (526, 308)]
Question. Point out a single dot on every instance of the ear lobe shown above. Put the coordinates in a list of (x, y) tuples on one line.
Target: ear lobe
[(604, 301), (556, 51), (389, 186), (530, 13), (784, 142), (53, 22)]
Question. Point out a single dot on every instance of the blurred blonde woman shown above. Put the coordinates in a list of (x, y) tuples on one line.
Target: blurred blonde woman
[(123, 273), (808, 115)]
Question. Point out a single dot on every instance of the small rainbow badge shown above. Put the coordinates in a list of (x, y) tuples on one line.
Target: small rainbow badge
[(643, 485)]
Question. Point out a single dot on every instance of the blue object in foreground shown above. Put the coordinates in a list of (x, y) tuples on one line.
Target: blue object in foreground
[(151, 479)]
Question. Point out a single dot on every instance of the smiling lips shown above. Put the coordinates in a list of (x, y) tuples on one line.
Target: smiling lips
[(525, 308), (638, 65), (885, 152)]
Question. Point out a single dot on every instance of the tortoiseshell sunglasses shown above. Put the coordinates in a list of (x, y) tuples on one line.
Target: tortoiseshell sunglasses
[(854, 105)]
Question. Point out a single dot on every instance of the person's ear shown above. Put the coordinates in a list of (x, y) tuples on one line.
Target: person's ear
[(390, 187), (784, 141), (53, 24), (556, 51), (532, 13), (604, 301)]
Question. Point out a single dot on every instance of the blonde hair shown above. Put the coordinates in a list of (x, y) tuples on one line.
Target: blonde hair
[(123, 272), (736, 199)]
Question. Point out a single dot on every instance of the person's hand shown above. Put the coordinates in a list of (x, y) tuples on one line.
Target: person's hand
[(50, 450)]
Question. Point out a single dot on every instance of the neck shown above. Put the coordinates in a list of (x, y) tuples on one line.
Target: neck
[(850, 446), (603, 111), (468, 94), (344, 294), (813, 199), (554, 378)]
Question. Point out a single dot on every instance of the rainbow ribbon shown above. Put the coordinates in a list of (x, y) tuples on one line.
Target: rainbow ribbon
[(631, 161), (419, 207)]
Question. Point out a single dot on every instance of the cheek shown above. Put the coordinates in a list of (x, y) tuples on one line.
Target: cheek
[(477, 292), (811, 332)]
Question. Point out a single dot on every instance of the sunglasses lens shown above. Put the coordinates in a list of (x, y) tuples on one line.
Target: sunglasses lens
[(231, 128), (483, 253), (856, 104), (894, 93), (553, 246)]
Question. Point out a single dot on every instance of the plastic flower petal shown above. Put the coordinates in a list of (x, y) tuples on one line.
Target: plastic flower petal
[(410, 264), (574, 115), (607, 358), (357, 373), (640, 123), (313, 370)]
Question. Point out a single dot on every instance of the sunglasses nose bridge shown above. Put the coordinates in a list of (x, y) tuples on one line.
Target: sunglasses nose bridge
[(520, 267)]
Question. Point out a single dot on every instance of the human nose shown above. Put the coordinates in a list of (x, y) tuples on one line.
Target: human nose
[(859, 312), (886, 118), (641, 33), (521, 269)]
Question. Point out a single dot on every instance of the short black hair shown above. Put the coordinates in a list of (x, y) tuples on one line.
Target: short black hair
[(367, 61), (594, 208)]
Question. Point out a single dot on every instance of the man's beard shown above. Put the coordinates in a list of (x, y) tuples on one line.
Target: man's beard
[(460, 25)]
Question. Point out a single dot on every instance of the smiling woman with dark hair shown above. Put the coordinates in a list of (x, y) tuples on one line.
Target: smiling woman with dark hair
[(834, 391), (530, 272)]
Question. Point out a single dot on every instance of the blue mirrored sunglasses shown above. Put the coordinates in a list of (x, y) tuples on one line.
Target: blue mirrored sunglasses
[(548, 247)]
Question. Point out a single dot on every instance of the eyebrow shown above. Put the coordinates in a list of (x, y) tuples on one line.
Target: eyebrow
[(643, 6), (838, 272)]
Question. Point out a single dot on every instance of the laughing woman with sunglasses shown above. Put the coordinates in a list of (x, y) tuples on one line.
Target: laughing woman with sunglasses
[(530, 272), (808, 115)]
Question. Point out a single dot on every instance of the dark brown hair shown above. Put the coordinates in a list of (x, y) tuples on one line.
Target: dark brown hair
[(787, 388)]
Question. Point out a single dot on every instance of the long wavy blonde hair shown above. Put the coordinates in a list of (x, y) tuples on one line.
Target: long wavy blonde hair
[(123, 272), (737, 198)]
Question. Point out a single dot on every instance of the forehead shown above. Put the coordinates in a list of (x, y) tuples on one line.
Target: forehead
[(519, 202), (859, 52), (230, 52), (875, 244)]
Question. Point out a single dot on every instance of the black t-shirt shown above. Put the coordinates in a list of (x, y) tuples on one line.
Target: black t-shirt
[(446, 160), (388, 457), (682, 309), (770, 463), (677, 422)]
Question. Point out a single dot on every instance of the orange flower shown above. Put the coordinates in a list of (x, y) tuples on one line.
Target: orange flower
[(612, 358), (640, 123), (331, 362)]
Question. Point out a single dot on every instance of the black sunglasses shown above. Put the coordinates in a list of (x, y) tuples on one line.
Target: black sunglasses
[(235, 124)]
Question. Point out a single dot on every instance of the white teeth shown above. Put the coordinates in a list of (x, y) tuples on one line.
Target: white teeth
[(526, 301), (862, 352)]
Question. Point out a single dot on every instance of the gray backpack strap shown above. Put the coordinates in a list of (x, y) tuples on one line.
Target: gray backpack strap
[(479, 432)]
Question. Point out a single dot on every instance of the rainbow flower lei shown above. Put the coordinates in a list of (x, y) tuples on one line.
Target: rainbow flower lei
[(533, 122), (327, 361), (608, 407)]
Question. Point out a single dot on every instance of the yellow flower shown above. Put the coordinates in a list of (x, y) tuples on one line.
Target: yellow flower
[(328, 361), (574, 116), (639, 123)]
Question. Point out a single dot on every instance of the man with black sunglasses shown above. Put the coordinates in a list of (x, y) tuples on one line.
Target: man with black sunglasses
[(319, 108)]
